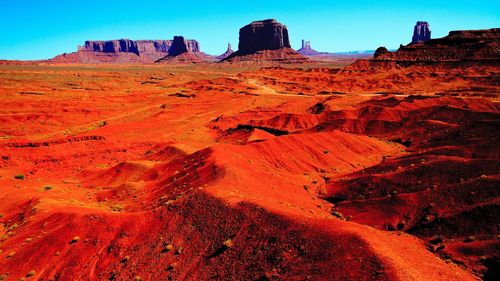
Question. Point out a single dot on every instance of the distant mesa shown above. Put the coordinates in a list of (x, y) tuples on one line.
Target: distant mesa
[(265, 40), (227, 53), (184, 51), (131, 51), (181, 45), (421, 32), (306, 49)]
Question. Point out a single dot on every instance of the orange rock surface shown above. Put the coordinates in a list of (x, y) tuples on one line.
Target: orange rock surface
[(237, 172)]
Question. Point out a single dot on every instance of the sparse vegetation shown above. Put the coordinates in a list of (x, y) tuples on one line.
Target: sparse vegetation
[(179, 251), (168, 248), (48, 187), (171, 266), (30, 274), (74, 240), (116, 208), (19, 177), (338, 215), (228, 243)]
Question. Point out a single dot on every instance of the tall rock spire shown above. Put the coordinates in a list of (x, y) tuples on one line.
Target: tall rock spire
[(421, 32)]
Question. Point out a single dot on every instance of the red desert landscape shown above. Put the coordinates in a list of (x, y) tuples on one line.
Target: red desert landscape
[(152, 160)]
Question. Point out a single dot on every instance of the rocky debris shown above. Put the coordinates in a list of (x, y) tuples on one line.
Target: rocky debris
[(227, 53), (129, 51), (265, 41), (281, 56), (465, 46), (306, 49), (421, 32)]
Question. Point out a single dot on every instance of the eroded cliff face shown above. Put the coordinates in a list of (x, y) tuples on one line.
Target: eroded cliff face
[(138, 47), (263, 35), (463, 45), (265, 41), (184, 51), (421, 32), (128, 51)]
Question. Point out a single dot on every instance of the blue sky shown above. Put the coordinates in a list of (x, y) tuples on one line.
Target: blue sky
[(32, 29)]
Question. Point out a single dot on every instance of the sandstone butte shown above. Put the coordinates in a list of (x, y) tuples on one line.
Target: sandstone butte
[(265, 41)]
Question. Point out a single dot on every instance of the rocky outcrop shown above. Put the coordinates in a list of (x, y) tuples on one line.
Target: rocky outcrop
[(265, 41), (226, 54), (421, 32), (183, 51), (129, 51), (281, 56), (478, 46), (380, 51), (263, 35), (179, 46), (306, 50)]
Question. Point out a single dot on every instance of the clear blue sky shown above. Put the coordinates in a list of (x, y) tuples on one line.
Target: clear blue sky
[(38, 29)]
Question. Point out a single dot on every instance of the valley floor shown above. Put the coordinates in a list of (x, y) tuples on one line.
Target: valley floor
[(234, 172)]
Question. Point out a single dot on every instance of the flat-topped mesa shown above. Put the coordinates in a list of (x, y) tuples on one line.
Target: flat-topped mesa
[(265, 41), (124, 51), (263, 35), (472, 46), (421, 32), (125, 46)]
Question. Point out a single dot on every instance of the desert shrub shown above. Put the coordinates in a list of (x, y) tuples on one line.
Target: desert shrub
[(168, 248), (116, 208), (30, 274)]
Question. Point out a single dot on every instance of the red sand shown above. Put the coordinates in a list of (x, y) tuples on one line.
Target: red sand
[(228, 173)]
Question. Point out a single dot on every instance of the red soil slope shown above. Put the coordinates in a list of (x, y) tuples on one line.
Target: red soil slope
[(208, 173)]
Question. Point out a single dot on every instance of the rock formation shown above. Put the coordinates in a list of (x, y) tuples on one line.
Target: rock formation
[(128, 51), (179, 46), (421, 32), (263, 35), (380, 51), (183, 51), (306, 49), (465, 46), (226, 54), (265, 41)]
